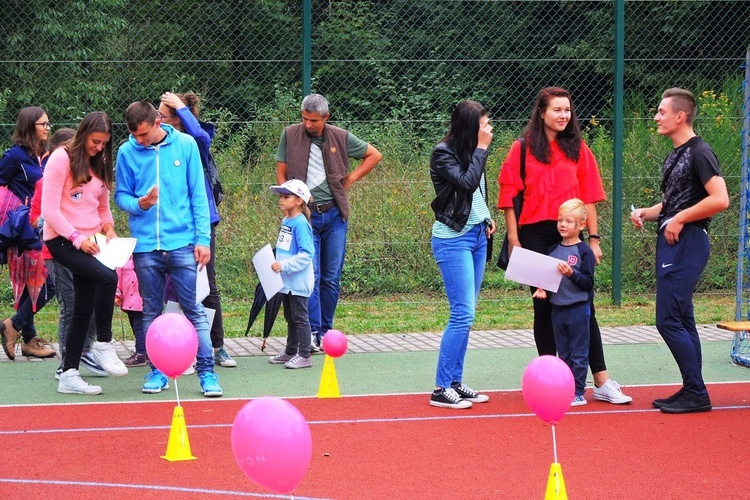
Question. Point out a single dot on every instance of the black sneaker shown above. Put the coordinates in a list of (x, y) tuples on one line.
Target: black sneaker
[(688, 403), (448, 398), (469, 394), (658, 403), (314, 342)]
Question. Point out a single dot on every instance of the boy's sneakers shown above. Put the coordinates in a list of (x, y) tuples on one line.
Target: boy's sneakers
[(222, 358), (72, 383), (448, 398), (136, 359), (89, 362), (468, 393), (156, 381), (210, 385), (281, 358), (298, 362), (314, 342), (105, 355), (578, 401), (658, 403), (610, 391)]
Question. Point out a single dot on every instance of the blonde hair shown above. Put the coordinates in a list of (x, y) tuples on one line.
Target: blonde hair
[(575, 207)]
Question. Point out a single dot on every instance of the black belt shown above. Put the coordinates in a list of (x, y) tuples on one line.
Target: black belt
[(322, 206)]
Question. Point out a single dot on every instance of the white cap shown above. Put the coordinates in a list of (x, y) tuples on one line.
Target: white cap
[(295, 187)]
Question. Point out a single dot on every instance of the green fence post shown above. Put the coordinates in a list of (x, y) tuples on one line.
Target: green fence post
[(617, 161), (306, 47)]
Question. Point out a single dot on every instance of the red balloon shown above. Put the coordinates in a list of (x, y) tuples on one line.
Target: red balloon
[(272, 444), (334, 343), (171, 343), (548, 388)]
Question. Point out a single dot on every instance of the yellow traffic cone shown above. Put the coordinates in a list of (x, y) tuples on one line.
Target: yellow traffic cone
[(555, 484), (178, 447), (329, 384)]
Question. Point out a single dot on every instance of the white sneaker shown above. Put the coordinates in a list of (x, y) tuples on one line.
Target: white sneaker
[(610, 391), (190, 370), (105, 355), (72, 383)]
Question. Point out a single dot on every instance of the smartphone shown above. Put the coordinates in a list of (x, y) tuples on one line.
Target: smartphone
[(150, 190)]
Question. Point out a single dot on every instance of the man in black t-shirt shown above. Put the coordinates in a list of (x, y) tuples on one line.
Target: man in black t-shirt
[(692, 192)]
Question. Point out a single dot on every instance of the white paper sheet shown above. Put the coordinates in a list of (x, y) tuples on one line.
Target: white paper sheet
[(270, 279), (535, 269), (174, 307), (201, 285), (115, 252)]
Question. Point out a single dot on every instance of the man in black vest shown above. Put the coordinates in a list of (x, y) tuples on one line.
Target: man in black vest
[(318, 154)]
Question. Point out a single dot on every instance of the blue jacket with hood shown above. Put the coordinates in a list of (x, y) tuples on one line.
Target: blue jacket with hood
[(180, 216)]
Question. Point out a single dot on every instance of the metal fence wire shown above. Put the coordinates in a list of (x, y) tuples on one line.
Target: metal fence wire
[(392, 72)]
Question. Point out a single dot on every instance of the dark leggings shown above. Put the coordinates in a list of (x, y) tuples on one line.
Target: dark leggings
[(94, 287), (539, 237)]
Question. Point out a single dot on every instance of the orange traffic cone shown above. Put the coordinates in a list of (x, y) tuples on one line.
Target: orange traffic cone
[(329, 384), (178, 447)]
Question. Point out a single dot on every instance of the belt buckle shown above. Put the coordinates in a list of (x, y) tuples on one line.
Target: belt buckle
[(318, 207)]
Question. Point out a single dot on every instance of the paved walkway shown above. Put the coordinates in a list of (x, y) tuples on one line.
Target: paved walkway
[(412, 342)]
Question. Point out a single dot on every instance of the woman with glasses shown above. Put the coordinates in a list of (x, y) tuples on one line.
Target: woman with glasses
[(20, 169)]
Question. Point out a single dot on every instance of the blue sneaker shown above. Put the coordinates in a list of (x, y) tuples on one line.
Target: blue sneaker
[(210, 385), (155, 382), (89, 362), (578, 401)]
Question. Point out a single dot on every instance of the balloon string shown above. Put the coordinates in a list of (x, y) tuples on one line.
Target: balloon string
[(177, 393), (554, 443)]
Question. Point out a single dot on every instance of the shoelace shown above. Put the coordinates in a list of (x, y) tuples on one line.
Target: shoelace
[(451, 395), (466, 390)]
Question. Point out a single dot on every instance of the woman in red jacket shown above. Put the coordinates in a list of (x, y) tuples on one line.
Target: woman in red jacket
[(559, 166)]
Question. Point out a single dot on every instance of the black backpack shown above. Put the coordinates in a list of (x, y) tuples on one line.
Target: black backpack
[(211, 172)]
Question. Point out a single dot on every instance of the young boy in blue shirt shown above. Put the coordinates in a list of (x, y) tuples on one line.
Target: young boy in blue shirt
[(570, 304)]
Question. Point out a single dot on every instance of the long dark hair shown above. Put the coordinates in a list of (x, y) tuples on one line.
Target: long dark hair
[(101, 163), (25, 135), (464, 130), (569, 139)]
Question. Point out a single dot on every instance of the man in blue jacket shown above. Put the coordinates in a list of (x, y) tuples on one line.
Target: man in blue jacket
[(160, 184)]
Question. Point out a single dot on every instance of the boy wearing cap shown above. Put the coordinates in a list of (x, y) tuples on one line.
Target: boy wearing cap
[(295, 251)]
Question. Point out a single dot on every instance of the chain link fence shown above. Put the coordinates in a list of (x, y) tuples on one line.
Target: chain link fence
[(392, 72)]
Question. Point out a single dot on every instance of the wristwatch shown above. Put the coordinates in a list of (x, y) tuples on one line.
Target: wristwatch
[(594, 237)]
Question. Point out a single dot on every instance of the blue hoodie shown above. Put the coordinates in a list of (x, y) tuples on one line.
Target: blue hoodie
[(180, 216)]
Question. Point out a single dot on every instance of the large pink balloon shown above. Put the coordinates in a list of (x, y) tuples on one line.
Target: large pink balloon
[(272, 444), (335, 343), (548, 388), (171, 343)]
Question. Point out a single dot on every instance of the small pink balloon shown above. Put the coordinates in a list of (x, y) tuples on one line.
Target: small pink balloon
[(272, 444), (171, 343), (548, 388), (335, 343)]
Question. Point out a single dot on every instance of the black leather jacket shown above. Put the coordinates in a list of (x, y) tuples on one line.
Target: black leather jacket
[(455, 185)]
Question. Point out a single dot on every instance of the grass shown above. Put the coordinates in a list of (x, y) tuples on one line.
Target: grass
[(409, 314)]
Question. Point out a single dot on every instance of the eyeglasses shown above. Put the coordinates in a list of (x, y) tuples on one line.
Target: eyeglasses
[(43, 124)]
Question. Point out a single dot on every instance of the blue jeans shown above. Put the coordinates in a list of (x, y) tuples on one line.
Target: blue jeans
[(23, 320), (571, 326), (678, 269), (329, 236), (151, 269), (461, 261)]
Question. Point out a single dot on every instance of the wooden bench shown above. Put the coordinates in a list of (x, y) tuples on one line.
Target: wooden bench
[(740, 353)]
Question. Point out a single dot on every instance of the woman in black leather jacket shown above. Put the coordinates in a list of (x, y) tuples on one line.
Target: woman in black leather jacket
[(459, 241)]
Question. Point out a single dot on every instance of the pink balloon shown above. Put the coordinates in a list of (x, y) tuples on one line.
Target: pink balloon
[(272, 444), (171, 343), (548, 388), (335, 343)]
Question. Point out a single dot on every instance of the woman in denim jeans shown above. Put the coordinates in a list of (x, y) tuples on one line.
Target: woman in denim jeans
[(459, 242)]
